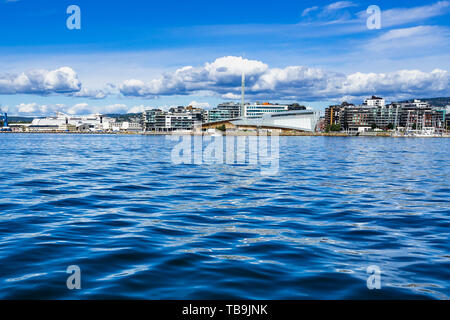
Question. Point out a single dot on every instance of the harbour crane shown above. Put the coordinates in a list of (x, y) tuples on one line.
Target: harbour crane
[(4, 121)]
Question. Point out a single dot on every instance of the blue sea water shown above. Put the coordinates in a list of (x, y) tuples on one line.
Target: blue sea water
[(139, 226)]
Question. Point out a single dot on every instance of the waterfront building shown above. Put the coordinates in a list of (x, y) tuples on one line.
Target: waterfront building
[(417, 115), (178, 118), (296, 120), (334, 115), (419, 103), (126, 126), (43, 127), (446, 117), (387, 116), (258, 110), (224, 111), (182, 121), (375, 114), (296, 106), (321, 124), (64, 122), (374, 101), (358, 118)]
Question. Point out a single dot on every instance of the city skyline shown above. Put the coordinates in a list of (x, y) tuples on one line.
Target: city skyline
[(128, 58)]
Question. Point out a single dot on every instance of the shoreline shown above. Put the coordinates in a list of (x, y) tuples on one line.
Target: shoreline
[(241, 133)]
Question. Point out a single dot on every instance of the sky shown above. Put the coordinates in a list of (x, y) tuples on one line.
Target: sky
[(128, 56)]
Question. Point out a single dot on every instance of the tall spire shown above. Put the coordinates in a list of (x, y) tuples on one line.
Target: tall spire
[(243, 93)]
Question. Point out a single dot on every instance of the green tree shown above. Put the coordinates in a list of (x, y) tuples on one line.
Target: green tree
[(335, 127), (390, 126), (221, 127)]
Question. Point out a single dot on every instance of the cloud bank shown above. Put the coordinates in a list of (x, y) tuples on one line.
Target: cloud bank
[(62, 80), (223, 77)]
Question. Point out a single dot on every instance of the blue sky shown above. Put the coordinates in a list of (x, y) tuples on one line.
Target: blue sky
[(132, 55)]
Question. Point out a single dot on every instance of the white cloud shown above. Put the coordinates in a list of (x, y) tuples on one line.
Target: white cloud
[(309, 10), (90, 93), (33, 109), (298, 83), (410, 82), (331, 13), (195, 104), (27, 107), (224, 72), (396, 34), (223, 78), (413, 40), (348, 21), (139, 109), (339, 5), (79, 108), (231, 95), (401, 16), (62, 80), (85, 108)]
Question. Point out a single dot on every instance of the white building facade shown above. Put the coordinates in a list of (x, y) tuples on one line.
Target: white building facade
[(258, 110), (375, 102), (63, 122)]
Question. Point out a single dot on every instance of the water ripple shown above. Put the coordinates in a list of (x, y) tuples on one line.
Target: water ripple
[(140, 227)]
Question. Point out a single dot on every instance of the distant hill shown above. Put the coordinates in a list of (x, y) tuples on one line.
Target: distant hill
[(437, 102), (130, 117), (20, 119)]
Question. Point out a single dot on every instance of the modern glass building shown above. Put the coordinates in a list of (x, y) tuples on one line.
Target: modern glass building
[(258, 110), (409, 115), (224, 111), (179, 118)]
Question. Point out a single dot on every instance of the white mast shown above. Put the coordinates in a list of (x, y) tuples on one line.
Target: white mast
[(243, 94)]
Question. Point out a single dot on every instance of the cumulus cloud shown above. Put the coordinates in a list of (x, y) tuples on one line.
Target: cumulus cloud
[(62, 80), (90, 93), (413, 82), (27, 107), (231, 95), (195, 104), (32, 109), (85, 108), (223, 78), (221, 74), (138, 109)]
